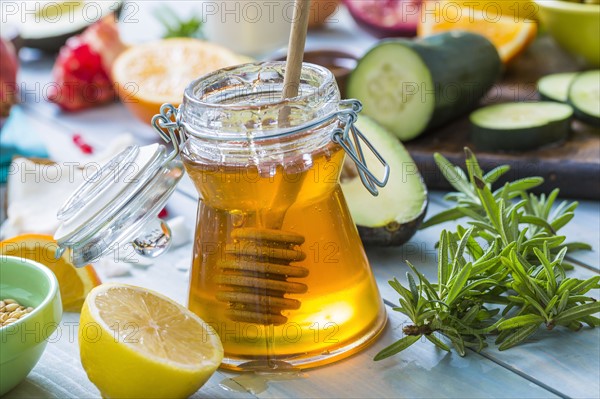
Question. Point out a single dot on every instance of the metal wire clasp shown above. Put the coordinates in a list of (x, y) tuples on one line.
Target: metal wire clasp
[(168, 125), (348, 114)]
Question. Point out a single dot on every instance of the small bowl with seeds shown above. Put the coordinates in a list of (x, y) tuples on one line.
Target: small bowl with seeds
[(30, 312)]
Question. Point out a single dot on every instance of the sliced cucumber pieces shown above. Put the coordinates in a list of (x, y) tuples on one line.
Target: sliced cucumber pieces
[(555, 87), (584, 96), (520, 126)]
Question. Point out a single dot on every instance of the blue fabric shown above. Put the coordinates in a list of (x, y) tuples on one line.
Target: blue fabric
[(17, 138)]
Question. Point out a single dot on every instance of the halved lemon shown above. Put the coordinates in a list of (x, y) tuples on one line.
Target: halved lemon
[(136, 343), (74, 283), (510, 35), (151, 74)]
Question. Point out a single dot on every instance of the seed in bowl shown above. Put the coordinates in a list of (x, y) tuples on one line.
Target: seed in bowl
[(11, 311)]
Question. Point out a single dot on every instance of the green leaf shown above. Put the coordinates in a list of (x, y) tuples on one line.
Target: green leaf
[(551, 304), (577, 246), (472, 214), (518, 336), (413, 287), (537, 221), (397, 347), (577, 312), (471, 314), (567, 284), (458, 284), (459, 254), (524, 184), (520, 321), (591, 321), (458, 344), (425, 316), (585, 286), (564, 300), (395, 284), (473, 166), (443, 261), (561, 221), (481, 267), (550, 277), (452, 176), (442, 217), (437, 342), (422, 279), (493, 175)]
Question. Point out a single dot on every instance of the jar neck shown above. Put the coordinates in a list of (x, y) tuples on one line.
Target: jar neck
[(236, 115)]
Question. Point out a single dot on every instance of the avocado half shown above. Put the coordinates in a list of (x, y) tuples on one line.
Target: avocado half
[(395, 215), (48, 24)]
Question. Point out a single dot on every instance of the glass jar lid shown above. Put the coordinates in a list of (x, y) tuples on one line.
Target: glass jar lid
[(117, 202)]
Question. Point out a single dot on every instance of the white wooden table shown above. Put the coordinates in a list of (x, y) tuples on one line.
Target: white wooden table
[(562, 364)]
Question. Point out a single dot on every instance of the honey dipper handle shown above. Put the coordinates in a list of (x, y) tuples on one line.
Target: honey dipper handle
[(295, 55)]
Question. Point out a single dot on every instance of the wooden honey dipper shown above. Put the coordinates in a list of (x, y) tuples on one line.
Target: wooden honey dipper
[(254, 278)]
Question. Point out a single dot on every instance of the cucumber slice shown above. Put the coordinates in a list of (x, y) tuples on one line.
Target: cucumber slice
[(394, 216), (584, 96), (555, 87), (388, 81), (520, 126)]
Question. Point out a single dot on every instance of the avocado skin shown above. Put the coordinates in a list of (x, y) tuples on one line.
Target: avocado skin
[(394, 234)]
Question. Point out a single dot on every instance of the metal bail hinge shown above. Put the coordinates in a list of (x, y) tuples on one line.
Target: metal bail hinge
[(169, 127), (348, 116)]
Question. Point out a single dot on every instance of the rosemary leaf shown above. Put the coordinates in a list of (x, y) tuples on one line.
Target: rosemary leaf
[(518, 336), (396, 347)]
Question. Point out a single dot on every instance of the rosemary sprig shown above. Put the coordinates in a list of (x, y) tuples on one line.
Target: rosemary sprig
[(511, 255)]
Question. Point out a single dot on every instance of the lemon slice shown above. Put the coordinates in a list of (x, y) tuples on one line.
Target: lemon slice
[(136, 343), (75, 283)]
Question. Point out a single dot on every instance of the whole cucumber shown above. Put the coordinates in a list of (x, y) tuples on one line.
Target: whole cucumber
[(410, 86)]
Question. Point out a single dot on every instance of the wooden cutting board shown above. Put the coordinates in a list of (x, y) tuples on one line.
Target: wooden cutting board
[(572, 166)]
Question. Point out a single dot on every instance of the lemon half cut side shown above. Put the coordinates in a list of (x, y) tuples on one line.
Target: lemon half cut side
[(137, 343)]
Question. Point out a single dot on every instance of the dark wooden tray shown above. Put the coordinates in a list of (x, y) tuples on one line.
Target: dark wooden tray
[(572, 166)]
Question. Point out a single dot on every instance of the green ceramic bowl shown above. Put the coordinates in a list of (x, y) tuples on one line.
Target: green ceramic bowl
[(22, 342), (574, 26)]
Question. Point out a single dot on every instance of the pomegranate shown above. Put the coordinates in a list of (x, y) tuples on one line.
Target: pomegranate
[(82, 69), (9, 64), (386, 18)]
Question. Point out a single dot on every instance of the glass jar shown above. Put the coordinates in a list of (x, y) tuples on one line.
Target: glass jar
[(278, 270)]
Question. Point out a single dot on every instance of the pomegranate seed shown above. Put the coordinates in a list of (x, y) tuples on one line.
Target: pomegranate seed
[(82, 145), (163, 214)]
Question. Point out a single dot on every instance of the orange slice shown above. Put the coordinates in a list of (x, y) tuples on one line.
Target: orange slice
[(151, 74), (75, 283), (511, 36)]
